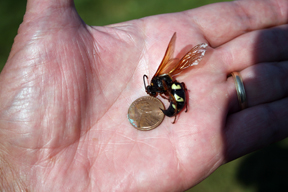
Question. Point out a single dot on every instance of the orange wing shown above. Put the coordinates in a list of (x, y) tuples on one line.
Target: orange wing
[(167, 62), (175, 66), (193, 57)]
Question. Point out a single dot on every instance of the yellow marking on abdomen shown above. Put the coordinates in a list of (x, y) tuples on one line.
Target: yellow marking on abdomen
[(178, 98), (175, 86)]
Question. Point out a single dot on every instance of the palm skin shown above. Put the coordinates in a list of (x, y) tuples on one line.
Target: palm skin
[(66, 89)]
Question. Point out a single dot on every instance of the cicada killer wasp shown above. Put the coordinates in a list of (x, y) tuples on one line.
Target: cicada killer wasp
[(164, 82)]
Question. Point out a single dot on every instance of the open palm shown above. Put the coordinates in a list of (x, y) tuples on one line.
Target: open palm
[(66, 89)]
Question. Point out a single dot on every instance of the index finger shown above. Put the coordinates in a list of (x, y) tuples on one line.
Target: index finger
[(222, 22)]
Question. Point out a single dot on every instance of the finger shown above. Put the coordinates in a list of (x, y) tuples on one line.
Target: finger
[(222, 22), (267, 45), (264, 83), (256, 127)]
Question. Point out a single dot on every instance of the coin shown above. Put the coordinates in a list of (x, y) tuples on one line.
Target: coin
[(145, 114)]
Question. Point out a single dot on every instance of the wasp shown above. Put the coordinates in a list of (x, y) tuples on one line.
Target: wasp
[(164, 83)]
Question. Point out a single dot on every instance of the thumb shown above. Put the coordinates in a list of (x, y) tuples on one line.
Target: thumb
[(42, 17), (53, 12), (42, 6)]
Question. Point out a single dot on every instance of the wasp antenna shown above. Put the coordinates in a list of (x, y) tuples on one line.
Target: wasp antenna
[(144, 80)]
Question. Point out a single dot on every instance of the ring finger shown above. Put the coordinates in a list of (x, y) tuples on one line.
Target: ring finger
[(263, 83)]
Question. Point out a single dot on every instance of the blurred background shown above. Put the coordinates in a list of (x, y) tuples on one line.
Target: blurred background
[(261, 171)]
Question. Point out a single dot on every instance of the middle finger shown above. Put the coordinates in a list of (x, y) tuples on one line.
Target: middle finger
[(267, 45)]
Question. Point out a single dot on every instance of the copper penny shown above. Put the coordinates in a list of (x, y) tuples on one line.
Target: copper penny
[(145, 114)]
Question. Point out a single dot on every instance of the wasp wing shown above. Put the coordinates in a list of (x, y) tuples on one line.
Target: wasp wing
[(167, 60), (193, 57)]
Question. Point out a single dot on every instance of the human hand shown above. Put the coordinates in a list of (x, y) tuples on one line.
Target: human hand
[(66, 89)]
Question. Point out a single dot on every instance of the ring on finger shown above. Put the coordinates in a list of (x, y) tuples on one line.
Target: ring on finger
[(241, 94)]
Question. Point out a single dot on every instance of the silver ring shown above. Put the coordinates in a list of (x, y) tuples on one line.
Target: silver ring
[(242, 99)]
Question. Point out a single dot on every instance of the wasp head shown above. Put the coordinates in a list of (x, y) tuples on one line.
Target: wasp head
[(150, 89)]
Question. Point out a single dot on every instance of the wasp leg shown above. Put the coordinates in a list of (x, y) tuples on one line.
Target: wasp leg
[(173, 100), (185, 89), (164, 97), (166, 89)]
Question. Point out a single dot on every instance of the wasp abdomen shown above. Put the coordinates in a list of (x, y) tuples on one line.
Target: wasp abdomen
[(178, 92)]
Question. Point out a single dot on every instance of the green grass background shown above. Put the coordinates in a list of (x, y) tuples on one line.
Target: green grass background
[(261, 171)]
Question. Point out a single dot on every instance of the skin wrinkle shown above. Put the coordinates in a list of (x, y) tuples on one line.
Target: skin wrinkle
[(243, 16), (280, 7), (95, 184), (64, 86), (142, 142), (111, 119), (100, 151), (188, 132), (108, 141), (141, 57), (135, 144), (44, 172), (87, 81), (137, 147), (127, 83), (96, 47), (72, 161), (198, 25), (144, 49), (76, 161), (44, 168), (117, 187), (115, 164), (226, 57), (79, 88), (271, 7), (18, 184), (108, 154), (180, 167), (86, 152), (121, 92), (214, 167)]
